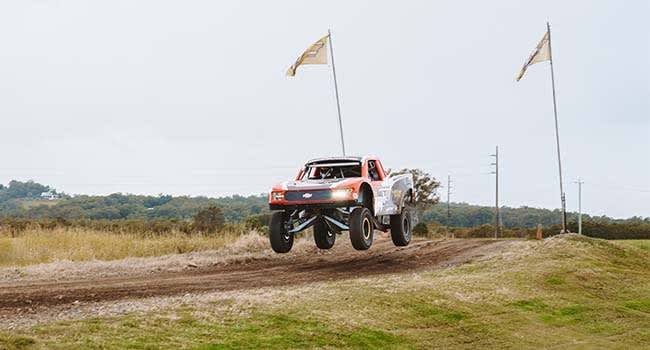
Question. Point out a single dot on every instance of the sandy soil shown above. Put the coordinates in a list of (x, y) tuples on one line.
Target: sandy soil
[(55, 291)]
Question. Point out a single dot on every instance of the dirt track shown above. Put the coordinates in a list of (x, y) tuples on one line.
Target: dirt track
[(303, 266)]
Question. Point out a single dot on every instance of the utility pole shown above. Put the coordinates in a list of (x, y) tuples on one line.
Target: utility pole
[(579, 182), (448, 196), (496, 204)]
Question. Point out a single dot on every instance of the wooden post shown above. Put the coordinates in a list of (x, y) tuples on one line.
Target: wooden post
[(538, 236)]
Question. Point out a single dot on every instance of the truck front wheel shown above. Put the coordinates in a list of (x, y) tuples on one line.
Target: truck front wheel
[(281, 239), (361, 228)]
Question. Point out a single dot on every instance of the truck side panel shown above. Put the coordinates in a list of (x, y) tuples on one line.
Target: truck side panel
[(393, 194)]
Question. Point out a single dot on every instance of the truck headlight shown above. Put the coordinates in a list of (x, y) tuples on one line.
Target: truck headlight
[(341, 194), (277, 196)]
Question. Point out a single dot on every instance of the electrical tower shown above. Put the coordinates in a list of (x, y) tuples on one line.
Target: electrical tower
[(496, 204)]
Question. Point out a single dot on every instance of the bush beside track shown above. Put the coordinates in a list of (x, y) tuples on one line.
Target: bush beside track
[(14, 227), (639, 230)]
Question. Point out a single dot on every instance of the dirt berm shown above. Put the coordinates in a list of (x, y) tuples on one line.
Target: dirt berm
[(302, 266)]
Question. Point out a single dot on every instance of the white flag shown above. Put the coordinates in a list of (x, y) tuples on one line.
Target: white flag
[(541, 53), (315, 54)]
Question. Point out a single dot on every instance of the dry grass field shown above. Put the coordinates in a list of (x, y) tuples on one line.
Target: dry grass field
[(75, 244)]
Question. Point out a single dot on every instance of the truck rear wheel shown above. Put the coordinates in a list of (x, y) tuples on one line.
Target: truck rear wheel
[(281, 239), (400, 228), (361, 228), (323, 237)]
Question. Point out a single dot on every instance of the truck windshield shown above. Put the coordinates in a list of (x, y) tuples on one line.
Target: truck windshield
[(332, 171)]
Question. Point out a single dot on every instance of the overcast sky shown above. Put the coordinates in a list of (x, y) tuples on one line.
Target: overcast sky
[(190, 97)]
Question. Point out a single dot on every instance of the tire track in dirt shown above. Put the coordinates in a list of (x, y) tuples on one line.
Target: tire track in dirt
[(308, 266)]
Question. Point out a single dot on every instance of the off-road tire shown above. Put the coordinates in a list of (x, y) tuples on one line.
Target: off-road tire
[(361, 228), (281, 240), (322, 236), (401, 228)]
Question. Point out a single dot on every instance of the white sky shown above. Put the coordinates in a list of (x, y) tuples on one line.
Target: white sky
[(190, 97)]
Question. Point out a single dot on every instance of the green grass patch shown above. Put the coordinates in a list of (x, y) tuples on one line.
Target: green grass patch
[(639, 243), (286, 332), (427, 312), (566, 315), (550, 315), (554, 281), (638, 305), (260, 330), (534, 305), (15, 342)]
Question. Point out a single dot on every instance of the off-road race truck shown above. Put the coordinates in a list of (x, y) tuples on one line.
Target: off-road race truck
[(339, 194)]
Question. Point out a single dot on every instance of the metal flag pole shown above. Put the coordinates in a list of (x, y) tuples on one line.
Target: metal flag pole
[(557, 132), (336, 90)]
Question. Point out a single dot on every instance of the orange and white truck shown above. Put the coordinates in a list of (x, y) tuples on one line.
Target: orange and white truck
[(339, 194)]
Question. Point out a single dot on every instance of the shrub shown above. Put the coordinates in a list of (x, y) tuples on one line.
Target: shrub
[(483, 231), (208, 220), (421, 229), (258, 221)]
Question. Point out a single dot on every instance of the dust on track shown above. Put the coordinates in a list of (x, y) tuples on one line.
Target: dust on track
[(296, 268)]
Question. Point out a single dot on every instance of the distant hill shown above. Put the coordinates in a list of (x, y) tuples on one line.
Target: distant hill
[(23, 190), (23, 200)]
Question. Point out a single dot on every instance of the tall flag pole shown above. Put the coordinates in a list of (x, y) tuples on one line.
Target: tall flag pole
[(336, 90), (557, 131), (543, 53), (317, 54)]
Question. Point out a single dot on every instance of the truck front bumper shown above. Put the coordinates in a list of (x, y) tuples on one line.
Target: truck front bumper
[(313, 206)]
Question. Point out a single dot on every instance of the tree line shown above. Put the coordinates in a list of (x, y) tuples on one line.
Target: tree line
[(252, 210), (209, 220), (468, 215), (119, 206)]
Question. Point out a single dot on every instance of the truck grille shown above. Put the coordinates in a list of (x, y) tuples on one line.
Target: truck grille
[(307, 195)]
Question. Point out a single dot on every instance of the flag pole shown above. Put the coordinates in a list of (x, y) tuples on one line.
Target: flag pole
[(336, 90), (557, 132)]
